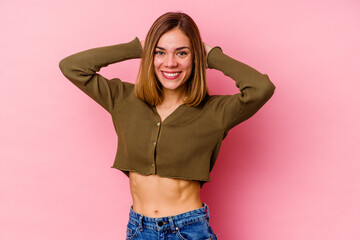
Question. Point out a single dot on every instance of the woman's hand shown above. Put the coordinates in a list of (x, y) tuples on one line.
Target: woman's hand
[(207, 48)]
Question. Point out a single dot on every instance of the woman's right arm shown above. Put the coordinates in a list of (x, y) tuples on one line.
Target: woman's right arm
[(80, 68)]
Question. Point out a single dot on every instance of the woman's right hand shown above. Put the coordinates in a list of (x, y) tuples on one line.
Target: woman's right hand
[(207, 48)]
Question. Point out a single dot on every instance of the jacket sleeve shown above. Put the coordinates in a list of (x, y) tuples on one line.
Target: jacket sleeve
[(255, 89), (80, 68)]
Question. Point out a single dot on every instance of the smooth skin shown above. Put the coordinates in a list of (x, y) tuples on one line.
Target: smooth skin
[(155, 196)]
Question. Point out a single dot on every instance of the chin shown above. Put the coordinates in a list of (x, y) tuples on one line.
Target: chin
[(171, 86)]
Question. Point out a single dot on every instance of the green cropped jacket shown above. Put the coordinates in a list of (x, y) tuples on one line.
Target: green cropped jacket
[(186, 144)]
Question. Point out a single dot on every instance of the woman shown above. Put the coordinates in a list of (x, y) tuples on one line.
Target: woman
[(169, 128)]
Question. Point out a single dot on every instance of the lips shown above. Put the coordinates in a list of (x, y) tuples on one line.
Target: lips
[(170, 75)]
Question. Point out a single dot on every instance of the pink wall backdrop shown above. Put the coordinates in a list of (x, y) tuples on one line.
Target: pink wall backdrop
[(290, 172)]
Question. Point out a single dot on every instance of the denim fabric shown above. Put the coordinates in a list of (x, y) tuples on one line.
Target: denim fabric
[(192, 225)]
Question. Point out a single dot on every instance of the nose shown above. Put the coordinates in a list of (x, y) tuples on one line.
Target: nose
[(170, 61)]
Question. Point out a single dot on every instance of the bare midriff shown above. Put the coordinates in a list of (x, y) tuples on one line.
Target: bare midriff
[(155, 196)]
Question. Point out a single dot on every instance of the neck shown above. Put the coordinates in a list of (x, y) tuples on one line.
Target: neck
[(172, 97)]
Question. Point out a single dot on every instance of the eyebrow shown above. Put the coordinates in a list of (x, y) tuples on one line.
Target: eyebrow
[(179, 48)]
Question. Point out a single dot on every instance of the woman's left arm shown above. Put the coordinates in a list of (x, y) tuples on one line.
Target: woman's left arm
[(255, 88)]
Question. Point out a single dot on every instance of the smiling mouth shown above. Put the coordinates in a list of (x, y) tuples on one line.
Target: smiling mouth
[(170, 75)]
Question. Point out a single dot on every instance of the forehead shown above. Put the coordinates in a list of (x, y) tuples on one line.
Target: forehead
[(173, 39)]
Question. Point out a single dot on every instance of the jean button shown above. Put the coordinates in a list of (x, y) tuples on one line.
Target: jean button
[(160, 224)]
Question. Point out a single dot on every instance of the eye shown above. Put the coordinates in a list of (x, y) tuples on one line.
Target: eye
[(160, 53), (183, 53)]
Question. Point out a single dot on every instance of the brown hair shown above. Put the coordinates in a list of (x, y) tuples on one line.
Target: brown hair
[(147, 87)]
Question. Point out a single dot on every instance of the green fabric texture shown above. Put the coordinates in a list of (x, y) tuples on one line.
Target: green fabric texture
[(186, 144)]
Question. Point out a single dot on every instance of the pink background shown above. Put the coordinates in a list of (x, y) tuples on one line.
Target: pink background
[(290, 172)]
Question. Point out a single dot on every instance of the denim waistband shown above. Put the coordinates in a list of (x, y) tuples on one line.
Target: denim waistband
[(170, 222)]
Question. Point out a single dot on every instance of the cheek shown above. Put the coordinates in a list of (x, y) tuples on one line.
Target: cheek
[(188, 67), (156, 63)]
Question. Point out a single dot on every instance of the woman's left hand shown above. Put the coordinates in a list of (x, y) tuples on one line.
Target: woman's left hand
[(207, 50)]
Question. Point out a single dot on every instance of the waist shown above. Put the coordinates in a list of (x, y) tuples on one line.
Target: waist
[(155, 196), (169, 222)]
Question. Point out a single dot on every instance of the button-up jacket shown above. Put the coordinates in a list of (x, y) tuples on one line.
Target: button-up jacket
[(186, 144)]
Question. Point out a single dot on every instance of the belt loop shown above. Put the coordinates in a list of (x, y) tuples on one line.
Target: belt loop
[(141, 222), (208, 211), (172, 225)]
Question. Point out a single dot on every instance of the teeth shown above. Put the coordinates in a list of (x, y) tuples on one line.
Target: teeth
[(171, 74)]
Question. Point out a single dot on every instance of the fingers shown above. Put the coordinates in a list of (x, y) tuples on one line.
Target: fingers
[(207, 48)]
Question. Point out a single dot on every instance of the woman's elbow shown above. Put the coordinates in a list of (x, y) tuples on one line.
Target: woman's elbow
[(268, 89), (68, 69), (65, 67)]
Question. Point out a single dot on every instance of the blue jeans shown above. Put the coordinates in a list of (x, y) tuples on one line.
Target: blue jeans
[(192, 225)]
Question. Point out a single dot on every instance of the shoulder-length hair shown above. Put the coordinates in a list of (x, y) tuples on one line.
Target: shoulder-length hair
[(147, 86)]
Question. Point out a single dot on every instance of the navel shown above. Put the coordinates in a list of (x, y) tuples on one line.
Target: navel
[(156, 211)]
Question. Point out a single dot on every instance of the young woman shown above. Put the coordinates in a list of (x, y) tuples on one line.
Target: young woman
[(169, 128)]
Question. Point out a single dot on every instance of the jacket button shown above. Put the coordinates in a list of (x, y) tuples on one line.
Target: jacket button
[(158, 124)]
